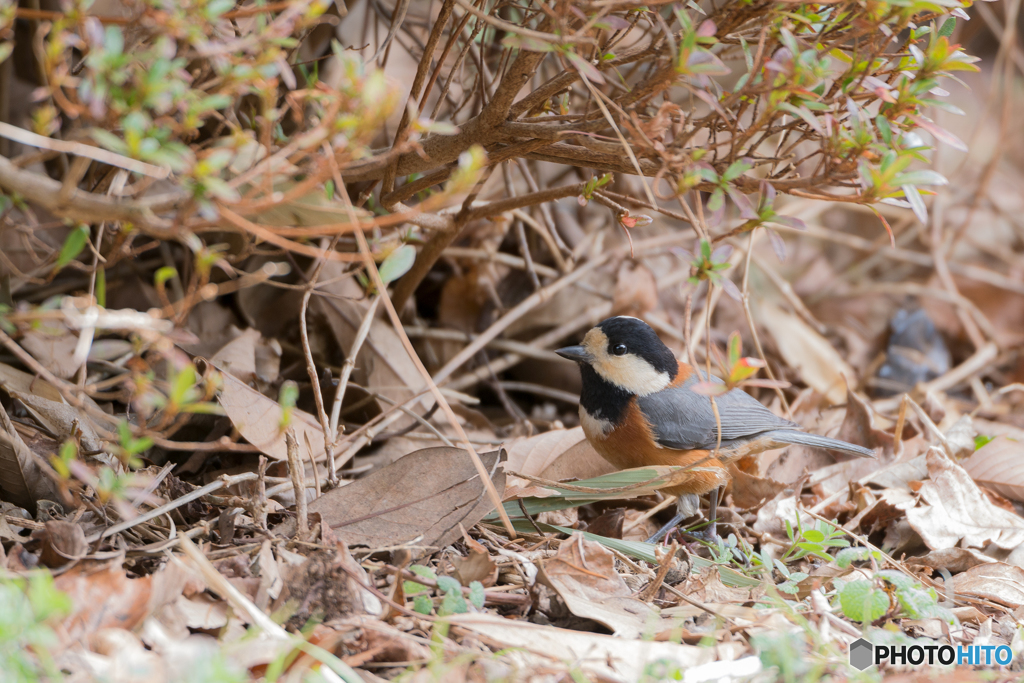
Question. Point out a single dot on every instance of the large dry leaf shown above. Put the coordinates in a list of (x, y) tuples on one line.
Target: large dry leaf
[(998, 581), (420, 499), (250, 358), (803, 348), (558, 455), (583, 573), (998, 466), (607, 657), (53, 345), (954, 509), (48, 407), (238, 356), (750, 491), (258, 419), (953, 559), (21, 479)]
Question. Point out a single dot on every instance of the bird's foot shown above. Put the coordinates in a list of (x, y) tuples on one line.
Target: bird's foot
[(708, 535), (664, 531)]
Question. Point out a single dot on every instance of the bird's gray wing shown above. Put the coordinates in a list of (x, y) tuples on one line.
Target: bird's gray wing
[(683, 419)]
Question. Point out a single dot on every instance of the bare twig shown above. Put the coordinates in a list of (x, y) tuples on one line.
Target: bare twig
[(314, 377), (350, 364), (297, 473)]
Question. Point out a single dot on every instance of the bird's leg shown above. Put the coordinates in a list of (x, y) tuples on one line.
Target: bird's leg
[(687, 505), (711, 534)]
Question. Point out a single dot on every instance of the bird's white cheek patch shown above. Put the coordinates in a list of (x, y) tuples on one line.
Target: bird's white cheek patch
[(632, 373)]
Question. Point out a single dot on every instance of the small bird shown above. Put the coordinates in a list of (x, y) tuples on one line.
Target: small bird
[(638, 409)]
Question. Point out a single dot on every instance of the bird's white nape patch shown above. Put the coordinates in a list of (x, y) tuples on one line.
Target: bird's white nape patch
[(629, 371)]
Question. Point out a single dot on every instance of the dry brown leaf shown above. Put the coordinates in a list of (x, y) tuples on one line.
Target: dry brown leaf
[(558, 455), (258, 419), (48, 407), (709, 588), (749, 491), (62, 542), (583, 574), (998, 466), (53, 345), (420, 499), (21, 478), (997, 581), (861, 426), (270, 577), (477, 566), (608, 657), (954, 559), (238, 356), (954, 509), (803, 348)]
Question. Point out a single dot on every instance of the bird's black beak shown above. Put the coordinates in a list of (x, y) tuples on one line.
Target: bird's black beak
[(576, 353)]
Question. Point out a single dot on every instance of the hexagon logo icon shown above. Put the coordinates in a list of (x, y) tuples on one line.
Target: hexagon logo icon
[(862, 654)]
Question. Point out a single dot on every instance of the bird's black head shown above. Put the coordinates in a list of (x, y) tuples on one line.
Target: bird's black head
[(626, 353)]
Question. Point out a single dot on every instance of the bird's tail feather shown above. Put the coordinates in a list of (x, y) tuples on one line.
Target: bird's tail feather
[(815, 441)]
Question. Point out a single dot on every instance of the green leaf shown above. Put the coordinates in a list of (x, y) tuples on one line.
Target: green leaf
[(101, 287), (861, 601), (717, 200), (73, 246), (922, 177), (981, 440), (946, 30), (476, 594), (184, 380), (884, 129), (411, 587), (844, 558), (453, 603), (814, 535), (113, 40), (397, 263), (449, 585), (735, 170), (422, 605), (425, 572), (164, 274)]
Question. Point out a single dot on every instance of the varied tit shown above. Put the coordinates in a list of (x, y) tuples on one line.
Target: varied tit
[(638, 409)]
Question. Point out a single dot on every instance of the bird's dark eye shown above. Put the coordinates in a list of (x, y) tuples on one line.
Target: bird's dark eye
[(619, 350)]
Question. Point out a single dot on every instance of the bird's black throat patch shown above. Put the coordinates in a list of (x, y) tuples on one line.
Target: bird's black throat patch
[(601, 398)]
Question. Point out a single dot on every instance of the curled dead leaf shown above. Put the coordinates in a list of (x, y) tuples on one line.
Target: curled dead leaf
[(997, 466)]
